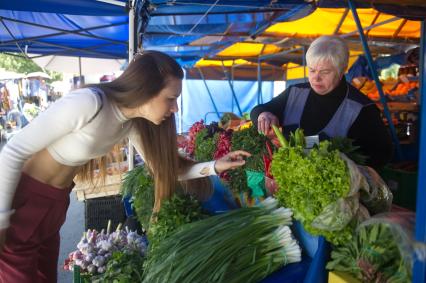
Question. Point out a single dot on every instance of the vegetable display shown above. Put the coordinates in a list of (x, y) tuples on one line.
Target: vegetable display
[(205, 145), (122, 267), (96, 249), (251, 141), (311, 181), (179, 210), (243, 245), (372, 256), (139, 184), (193, 131)]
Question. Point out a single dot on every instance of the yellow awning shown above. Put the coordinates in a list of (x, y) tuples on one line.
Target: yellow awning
[(321, 22), (226, 63), (245, 49), (325, 22)]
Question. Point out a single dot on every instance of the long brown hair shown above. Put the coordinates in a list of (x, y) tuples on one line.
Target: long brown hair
[(143, 79)]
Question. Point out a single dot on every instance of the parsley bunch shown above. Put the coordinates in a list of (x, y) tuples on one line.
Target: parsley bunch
[(175, 212)]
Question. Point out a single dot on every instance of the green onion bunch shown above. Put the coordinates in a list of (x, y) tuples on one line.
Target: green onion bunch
[(243, 245)]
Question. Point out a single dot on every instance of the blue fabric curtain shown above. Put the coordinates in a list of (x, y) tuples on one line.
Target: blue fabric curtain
[(196, 103)]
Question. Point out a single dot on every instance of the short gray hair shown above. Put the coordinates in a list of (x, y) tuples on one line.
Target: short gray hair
[(329, 48)]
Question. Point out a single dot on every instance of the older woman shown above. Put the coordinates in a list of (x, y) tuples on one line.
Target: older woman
[(328, 106)]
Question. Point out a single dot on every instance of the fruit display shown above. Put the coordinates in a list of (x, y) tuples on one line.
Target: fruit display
[(401, 92), (393, 89)]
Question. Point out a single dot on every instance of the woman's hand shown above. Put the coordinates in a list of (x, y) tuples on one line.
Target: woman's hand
[(265, 121), (232, 160)]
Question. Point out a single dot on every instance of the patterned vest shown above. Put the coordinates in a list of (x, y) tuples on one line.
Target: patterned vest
[(339, 124)]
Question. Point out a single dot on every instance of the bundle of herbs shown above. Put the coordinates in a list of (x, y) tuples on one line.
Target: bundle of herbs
[(372, 256), (251, 141), (139, 184), (175, 212), (311, 181), (244, 245), (205, 142), (122, 267)]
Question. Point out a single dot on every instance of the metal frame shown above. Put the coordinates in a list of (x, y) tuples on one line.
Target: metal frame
[(265, 57), (132, 50), (419, 268), (234, 96), (373, 69), (209, 93), (79, 32)]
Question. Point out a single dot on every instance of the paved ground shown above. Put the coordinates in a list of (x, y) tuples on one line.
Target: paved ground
[(71, 233)]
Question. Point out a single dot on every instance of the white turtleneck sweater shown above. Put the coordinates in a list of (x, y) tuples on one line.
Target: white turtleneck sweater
[(73, 134)]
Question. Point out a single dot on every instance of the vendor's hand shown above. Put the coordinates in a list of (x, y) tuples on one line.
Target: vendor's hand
[(232, 160), (265, 121)]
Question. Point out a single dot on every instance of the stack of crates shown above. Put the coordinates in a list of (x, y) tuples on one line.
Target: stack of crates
[(99, 211), (402, 181)]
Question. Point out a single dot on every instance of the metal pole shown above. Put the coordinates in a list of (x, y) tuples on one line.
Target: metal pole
[(259, 83), (79, 67), (209, 93), (419, 267), (131, 154), (112, 2), (232, 90), (181, 114), (373, 69), (304, 63)]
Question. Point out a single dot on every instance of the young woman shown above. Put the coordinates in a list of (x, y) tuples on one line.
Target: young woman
[(70, 139)]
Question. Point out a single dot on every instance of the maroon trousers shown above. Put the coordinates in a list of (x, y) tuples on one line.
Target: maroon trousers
[(31, 251)]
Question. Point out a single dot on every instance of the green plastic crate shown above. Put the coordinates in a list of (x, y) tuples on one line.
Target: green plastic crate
[(403, 185)]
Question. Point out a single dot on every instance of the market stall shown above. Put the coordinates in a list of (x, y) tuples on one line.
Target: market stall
[(308, 267)]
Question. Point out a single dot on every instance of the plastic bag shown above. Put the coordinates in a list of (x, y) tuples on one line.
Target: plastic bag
[(338, 214), (382, 250), (376, 195), (401, 225), (256, 183)]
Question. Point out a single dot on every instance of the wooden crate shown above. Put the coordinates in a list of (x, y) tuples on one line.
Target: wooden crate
[(111, 187)]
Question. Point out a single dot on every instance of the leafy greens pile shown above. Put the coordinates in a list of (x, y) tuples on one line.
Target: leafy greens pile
[(251, 141), (175, 212), (139, 184), (310, 181)]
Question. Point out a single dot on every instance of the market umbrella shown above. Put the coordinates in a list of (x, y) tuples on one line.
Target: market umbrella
[(38, 75), (79, 65)]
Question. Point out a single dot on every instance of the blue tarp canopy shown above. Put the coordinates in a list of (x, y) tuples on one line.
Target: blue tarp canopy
[(68, 7), (189, 31), (186, 29), (73, 28), (96, 29)]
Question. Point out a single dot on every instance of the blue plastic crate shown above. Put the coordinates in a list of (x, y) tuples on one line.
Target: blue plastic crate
[(316, 250)]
